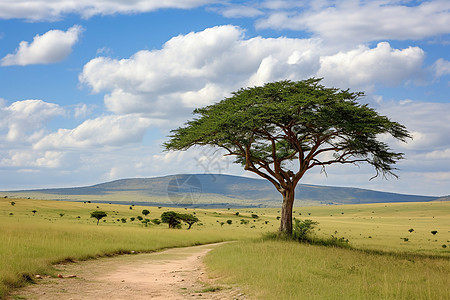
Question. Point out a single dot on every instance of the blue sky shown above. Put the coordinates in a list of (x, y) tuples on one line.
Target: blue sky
[(89, 90)]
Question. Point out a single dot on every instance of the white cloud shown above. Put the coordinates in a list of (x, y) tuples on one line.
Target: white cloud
[(24, 158), (100, 132), (241, 11), (52, 10), (22, 118), (362, 21), (197, 69), (200, 68), (365, 66), (429, 124), (441, 67), (51, 47)]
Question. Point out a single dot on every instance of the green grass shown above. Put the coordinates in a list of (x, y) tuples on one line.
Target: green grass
[(290, 270), (31, 243)]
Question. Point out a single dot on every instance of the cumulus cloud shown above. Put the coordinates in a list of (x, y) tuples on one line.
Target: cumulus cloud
[(365, 66), (362, 21), (51, 47), (24, 158), (38, 10), (22, 118), (100, 132), (200, 68)]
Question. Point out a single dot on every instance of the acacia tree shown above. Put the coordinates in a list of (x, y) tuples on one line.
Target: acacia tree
[(98, 214), (303, 122)]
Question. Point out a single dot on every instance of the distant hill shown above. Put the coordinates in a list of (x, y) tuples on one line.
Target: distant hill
[(205, 190)]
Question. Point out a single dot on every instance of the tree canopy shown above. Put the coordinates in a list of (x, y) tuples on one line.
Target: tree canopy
[(268, 126)]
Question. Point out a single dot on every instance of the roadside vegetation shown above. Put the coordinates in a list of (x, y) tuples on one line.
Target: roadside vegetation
[(34, 235)]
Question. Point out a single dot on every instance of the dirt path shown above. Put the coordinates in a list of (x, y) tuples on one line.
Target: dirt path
[(171, 274)]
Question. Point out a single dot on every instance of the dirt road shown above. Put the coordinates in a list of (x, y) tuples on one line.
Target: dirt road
[(171, 274)]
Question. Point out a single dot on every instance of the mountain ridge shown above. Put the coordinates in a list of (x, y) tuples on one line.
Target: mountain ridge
[(212, 189)]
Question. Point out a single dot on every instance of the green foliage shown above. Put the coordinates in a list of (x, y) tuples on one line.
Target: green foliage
[(268, 126), (145, 212), (98, 214), (124, 220), (140, 218), (255, 216), (156, 221), (303, 229), (229, 222), (172, 218)]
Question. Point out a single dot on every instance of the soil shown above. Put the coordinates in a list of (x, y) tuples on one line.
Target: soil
[(171, 274)]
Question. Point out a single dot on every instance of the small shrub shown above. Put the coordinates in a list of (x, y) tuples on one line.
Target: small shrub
[(124, 220), (140, 218), (229, 222), (406, 239), (237, 213), (61, 215), (156, 221), (145, 212), (34, 211), (433, 232), (302, 229), (410, 230), (255, 216), (132, 219)]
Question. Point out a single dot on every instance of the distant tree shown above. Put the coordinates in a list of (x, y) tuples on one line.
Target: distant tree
[(434, 232), (98, 214), (61, 215), (255, 216), (13, 203), (229, 222), (237, 213), (34, 211), (172, 218), (189, 219), (140, 218), (410, 230), (132, 219), (268, 127), (156, 221), (145, 212), (124, 220)]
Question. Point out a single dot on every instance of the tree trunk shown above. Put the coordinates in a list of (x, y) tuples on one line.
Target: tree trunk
[(286, 211)]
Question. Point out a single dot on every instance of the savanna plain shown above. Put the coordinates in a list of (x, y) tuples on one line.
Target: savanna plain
[(386, 251)]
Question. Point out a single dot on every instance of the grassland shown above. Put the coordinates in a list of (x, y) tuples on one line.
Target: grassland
[(382, 265), (60, 230)]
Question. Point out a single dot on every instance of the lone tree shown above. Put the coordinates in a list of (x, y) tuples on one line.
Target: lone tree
[(268, 127), (98, 214)]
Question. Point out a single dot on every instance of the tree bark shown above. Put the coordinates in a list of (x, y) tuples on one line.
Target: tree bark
[(286, 211)]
